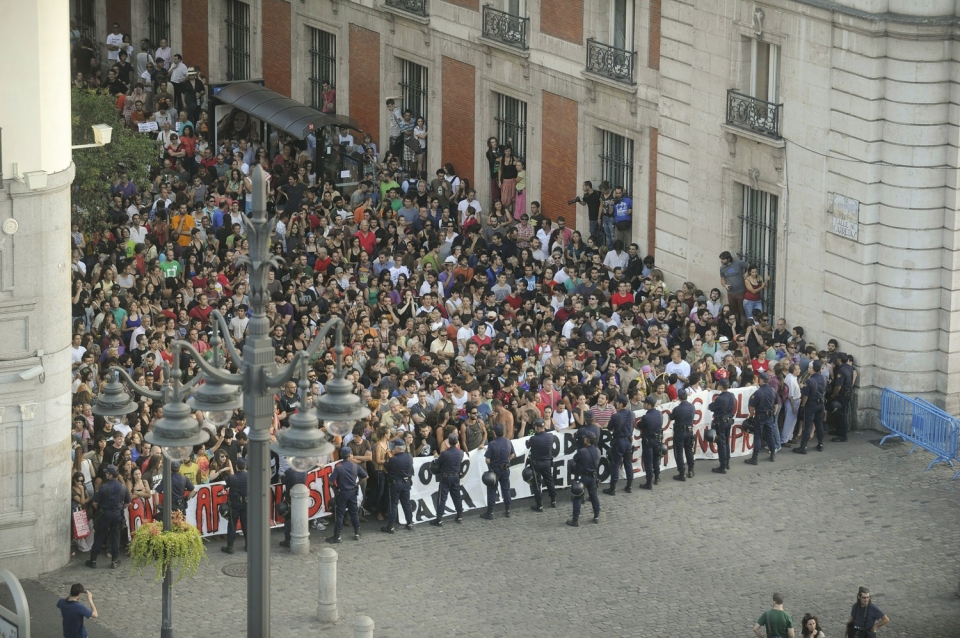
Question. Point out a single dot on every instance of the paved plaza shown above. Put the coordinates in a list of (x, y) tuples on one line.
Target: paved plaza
[(694, 559)]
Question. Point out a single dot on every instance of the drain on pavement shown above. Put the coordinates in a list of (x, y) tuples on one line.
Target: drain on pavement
[(237, 570)]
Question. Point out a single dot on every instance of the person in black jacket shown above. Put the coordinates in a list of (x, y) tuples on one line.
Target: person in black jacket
[(682, 416), (723, 406), (448, 469), (400, 472), (586, 463), (237, 489)]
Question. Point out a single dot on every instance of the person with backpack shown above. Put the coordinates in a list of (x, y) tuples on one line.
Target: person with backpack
[(777, 622)]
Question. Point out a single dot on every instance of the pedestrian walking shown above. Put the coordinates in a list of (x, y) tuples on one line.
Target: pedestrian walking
[(777, 622), (74, 612)]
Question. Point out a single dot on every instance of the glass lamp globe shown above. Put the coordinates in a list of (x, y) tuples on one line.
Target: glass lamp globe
[(339, 428), (114, 420), (178, 452), (218, 417), (303, 463)]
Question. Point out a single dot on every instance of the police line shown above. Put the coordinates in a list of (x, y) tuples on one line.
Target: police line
[(424, 492)]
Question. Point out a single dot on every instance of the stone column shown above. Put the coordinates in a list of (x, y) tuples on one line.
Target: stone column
[(327, 591), (300, 528), (363, 627)]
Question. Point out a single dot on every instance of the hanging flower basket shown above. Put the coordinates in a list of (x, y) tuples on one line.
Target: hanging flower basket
[(180, 549)]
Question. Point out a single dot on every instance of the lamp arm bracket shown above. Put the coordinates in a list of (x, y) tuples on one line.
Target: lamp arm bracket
[(213, 373), (286, 373), (150, 394), (225, 329)]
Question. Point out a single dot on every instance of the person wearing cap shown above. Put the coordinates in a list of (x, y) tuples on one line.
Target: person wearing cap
[(498, 456), (541, 460), (291, 478), (723, 407), (621, 447), (812, 402), (586, 465), (109, 502), (447, 468), (400, 473), (237, 499), (73, 612), (180, 485), (842, 392), (682, 416), (651, 433), (589, 428), (763, 405), (345, 479)]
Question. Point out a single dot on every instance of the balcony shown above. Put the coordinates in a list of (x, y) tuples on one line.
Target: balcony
[(610, 62), (753, 114), (413, 7), (505, 28)]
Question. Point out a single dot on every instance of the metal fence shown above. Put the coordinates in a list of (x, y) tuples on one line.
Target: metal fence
[(616, 161), (417, 7), (923, 424), (158, 21), (85, 16), (323, 64), (505, 27), (238, 40), (753, 114), (512, 124), (758, 239), (414, 87), (609, 61)]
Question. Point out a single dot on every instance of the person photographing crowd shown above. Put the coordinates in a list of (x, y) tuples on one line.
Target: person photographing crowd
[(75, 612)]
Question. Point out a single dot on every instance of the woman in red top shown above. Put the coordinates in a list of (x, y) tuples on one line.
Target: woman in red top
[(760, 363)]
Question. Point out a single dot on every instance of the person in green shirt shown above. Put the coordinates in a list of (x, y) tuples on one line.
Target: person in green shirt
[(777, 622)]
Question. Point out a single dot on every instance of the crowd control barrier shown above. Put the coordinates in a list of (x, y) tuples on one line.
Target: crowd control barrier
[(921, 423)]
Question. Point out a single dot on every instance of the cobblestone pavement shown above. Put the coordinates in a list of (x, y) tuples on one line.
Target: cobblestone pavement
[(694, 559)]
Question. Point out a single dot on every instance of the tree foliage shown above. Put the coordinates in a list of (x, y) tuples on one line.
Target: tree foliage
[(127, 151)]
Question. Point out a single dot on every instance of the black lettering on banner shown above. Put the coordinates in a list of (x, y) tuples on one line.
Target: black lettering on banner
[(604, 472), (520, 459), (464, 466), (467, 501), (423, 512), (556, 468), (605, 438), (555, 446), (569, 445), (425, 475)]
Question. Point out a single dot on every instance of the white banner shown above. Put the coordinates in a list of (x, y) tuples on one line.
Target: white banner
[(426, 489)]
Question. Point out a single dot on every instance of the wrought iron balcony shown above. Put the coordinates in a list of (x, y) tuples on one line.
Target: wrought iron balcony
[(753, 114), (416, 7), (609, 61), (505, 27)]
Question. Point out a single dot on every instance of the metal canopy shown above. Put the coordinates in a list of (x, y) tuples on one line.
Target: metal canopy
[(278, 111)]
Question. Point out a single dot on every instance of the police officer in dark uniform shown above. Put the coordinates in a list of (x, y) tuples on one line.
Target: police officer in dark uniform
[(290, 479), (498, 455), (345, 479), (842, 392), (651, 431), (621, 449), (237, 499), (448, 468), (400, 472), (589, 427), (723, 406), (541, 460), (179, 486), (109, 500), (763, 406), (586, 464), (682, 416), (811, 400)]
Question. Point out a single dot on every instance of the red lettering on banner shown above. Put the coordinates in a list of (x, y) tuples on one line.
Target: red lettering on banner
[(742, 411), (323, 475), (697, 404), (666, 457), (700, 442), (206, 511), (277, 496), (220, 496), (138, 512)]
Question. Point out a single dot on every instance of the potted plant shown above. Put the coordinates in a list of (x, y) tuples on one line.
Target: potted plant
[(179, 549)]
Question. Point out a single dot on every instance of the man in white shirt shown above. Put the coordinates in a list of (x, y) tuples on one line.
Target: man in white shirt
[(616, 258), (178, 70), (544, 233), (163, 51), (76, 351), (138, 232), (471, 200), (722, 350), (679, 367), (791, 405), (114, 43), (464, 333), (238, 325)]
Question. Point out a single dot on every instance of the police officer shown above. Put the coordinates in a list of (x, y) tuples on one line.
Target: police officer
[(842, 392), (763, 405), (682, 416), (621, 448), (811, 400), (400, 473), (237, 498), (723, 406), (448, 468), (109, 500), (589, 427), (498, 455), (290, 478), (651, 431), (345, 478), (586, 463), (179, 486), (541, 460)]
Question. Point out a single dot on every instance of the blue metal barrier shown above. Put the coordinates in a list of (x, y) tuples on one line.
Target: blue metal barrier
[(923, 424)]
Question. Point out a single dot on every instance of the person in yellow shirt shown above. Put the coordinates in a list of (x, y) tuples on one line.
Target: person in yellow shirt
[(190, 469), (181, 226)]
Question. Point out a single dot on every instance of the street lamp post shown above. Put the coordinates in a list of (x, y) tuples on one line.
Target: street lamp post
[(302, 443)]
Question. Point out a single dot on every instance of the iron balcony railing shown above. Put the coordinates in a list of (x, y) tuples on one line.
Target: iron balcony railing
[(753, 114), (609, 61), (505, 27), (416, 7)]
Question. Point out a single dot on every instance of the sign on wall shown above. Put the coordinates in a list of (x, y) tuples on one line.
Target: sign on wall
[(846, 217)]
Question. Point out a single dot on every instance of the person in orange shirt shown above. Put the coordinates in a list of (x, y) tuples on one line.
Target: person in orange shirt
[(181, 226)]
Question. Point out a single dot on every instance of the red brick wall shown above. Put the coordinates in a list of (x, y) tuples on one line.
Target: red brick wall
[(365, 106), (459, 107), (652, 195), (195, 35), (276, 46), (559, 167), (119, 11), (653, 51), (466, 4), (562, 19)]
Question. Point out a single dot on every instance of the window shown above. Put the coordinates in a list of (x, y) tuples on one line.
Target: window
[(158, 19), (758, 239), (512, 124), (621, 25), (238, 40), (323, 63), (413, 88), (616, 161), (515, 7), (83, 13), (764, 66)]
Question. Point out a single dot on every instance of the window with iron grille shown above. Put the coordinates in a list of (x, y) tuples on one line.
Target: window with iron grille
[(238, 40), (323, 64), (616, 161), (512, 124), (758, 239), (414, 86), (158, 19), (83, 13)]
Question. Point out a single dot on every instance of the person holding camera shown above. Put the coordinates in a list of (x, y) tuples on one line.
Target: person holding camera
[(865, 617), (590, 199)]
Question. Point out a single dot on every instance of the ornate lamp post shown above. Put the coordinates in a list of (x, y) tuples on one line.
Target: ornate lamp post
[(303, 443)]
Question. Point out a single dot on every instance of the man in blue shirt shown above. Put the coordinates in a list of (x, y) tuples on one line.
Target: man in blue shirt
[(865, 617), (622, 217), (73, 612)]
